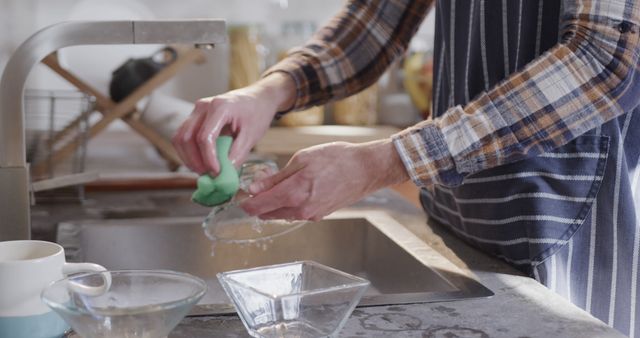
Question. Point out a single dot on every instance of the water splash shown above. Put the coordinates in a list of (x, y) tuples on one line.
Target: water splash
[(229, 225), (213, 247), (256, 225)]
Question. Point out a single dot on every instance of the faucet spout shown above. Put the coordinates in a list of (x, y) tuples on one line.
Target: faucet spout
[(14, 177)]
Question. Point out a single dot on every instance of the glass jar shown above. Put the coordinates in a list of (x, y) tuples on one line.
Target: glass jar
[(360, 109), (418, 80), (294, 34), (248, 55)]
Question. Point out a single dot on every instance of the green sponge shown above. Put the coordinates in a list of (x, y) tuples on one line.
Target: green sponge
[(213, 191)]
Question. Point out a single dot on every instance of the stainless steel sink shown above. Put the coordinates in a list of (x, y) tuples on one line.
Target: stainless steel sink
[(401, 267)]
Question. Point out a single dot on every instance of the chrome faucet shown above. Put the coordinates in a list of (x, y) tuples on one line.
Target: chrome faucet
[(14, 170)]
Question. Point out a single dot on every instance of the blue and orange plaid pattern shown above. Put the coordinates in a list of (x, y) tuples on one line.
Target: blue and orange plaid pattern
[(589, 78)]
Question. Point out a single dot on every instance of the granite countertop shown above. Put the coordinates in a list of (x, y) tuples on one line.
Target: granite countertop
[(521, 307)]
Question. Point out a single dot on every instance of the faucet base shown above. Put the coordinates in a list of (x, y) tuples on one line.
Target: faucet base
[(14, 204)]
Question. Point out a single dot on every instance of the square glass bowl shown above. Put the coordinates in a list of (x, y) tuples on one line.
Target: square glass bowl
[(299, 299)]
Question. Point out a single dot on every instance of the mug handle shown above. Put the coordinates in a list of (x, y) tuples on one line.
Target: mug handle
[(71, 268)]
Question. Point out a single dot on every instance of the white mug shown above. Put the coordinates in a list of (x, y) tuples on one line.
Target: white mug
[(26, 268)]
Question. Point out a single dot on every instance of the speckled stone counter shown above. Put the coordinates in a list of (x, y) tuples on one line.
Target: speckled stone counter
[(521, 307)]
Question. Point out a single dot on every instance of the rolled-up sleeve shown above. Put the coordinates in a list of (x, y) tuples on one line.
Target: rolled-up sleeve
[(587, 79)]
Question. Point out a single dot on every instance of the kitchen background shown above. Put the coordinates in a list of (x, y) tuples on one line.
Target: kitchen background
[(260, 32), (136, 214)]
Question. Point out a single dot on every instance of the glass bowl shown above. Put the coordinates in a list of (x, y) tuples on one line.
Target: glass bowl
[(139, 303), (228, 223), (299, 299)]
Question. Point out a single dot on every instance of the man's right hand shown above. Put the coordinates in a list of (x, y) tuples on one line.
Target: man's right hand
[(245, 113)]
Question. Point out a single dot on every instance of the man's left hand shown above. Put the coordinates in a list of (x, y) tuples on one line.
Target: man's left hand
[(324, 178)]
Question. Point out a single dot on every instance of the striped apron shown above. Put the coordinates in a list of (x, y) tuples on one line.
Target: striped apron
[(568, 217)]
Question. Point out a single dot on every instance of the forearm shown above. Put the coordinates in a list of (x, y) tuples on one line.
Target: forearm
[(583, 82), (382, 164), (353, 50), (277, 88)]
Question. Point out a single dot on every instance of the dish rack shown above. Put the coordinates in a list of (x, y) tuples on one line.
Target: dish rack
[(47, 113)]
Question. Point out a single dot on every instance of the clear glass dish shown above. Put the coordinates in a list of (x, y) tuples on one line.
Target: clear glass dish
[(299, 299), (139, 303), (228, 223)]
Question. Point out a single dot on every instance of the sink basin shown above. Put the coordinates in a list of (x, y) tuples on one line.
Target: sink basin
[(401, 268)]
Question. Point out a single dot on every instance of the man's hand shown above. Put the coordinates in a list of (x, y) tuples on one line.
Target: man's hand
[(244, 113), (324, 178)]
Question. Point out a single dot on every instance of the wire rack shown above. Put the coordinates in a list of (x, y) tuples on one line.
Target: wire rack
[(47, 112)]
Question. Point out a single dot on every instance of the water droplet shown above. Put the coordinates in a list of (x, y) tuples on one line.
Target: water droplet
[(213, 248), (256, 225)]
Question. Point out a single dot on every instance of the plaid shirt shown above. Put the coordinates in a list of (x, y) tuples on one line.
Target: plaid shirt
[(586, 80)]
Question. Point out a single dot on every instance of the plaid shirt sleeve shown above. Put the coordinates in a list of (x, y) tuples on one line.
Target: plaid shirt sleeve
[(353, 50), (589, 78)]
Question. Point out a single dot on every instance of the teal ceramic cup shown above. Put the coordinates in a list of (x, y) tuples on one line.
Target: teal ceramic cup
[(26, 268)]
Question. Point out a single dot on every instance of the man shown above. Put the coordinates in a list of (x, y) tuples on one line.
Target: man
[(531, 155)]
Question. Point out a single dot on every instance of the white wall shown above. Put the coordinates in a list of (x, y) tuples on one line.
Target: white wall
[(21, 18)]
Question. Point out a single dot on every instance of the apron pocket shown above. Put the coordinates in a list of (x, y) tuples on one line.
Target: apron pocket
[(525, 211)]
